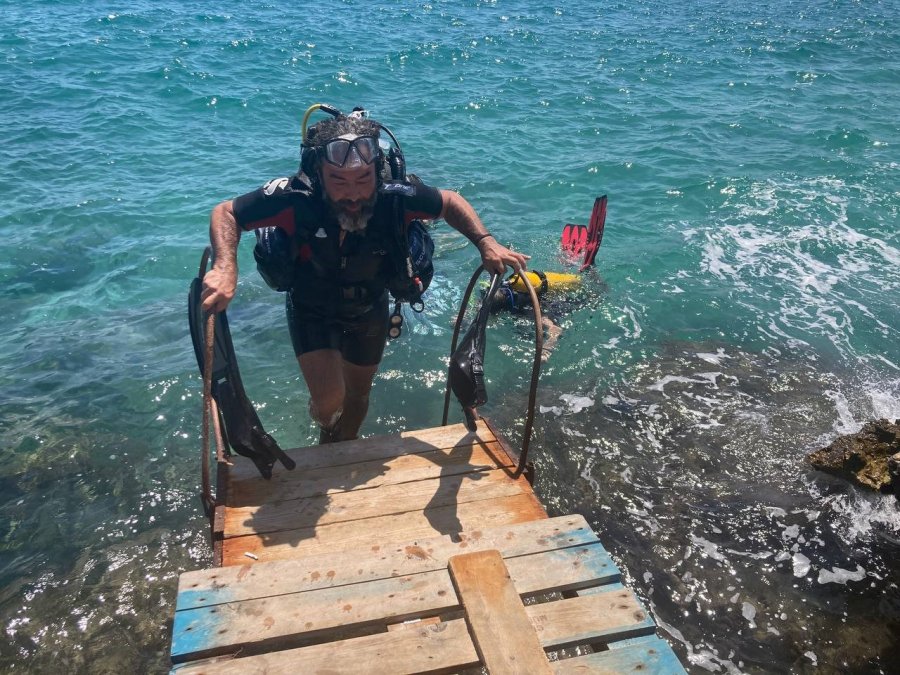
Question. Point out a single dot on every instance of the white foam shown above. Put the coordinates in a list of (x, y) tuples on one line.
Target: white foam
[(573, 405), (860, 513), (890, 254), (801, 564), (714, 262), (846, 423), (884, 360), (708, 548), (698, 656), (588, 475), (576, 403), (704, 378), (715, 359), (636, 332), (838, 575), (749, 554), (885, 404), (815, 292), (749, 612)]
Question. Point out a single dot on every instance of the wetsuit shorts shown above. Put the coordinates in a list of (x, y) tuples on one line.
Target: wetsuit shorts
[(360, 339)]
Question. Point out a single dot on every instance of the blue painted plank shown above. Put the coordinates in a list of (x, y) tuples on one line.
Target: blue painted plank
[(221, 628), (265, 579), (192, 632), (653, 657), (631, 642)]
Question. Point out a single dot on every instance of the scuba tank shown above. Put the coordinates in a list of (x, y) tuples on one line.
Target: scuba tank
[(513, 293), (545, 281)]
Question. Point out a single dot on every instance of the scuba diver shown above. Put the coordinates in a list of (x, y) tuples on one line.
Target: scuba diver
[(336, 237), (556, 294), (557, 291)]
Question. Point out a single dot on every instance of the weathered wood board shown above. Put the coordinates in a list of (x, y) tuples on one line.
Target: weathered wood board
[(345, 561), (498, 623)]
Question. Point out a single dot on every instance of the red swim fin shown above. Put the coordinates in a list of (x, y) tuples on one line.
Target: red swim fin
[(574, 238), (595, 232), (582, 239)]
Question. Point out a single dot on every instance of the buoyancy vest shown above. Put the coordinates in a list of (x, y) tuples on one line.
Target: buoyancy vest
[(344, 277)]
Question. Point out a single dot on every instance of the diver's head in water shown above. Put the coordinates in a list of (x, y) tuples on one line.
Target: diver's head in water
[(503, 299), (347, 163)]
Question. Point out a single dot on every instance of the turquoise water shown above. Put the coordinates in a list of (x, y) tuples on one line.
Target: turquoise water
[(743, 311)]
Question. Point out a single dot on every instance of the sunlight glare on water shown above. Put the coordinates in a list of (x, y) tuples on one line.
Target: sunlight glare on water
[(741, 314)]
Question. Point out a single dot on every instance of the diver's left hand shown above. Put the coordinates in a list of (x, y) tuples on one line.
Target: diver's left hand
[(496, 257)]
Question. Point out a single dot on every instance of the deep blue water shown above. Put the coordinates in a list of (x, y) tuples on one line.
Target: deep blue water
[(743, 311)]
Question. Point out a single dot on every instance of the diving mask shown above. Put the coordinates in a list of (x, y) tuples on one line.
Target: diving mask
[(349, 151)]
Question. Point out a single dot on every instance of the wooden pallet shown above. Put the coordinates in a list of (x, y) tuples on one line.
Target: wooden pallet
[(404, 554)]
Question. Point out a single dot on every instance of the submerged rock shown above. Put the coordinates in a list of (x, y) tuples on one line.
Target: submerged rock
[(870, 458)]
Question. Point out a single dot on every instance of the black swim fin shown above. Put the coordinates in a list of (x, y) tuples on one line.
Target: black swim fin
[(243, 430), (467, 361)]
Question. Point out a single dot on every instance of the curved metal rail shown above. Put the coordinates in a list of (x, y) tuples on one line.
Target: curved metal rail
[(535, 368)]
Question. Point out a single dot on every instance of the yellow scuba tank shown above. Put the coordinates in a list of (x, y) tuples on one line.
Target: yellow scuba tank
[(545, 281)]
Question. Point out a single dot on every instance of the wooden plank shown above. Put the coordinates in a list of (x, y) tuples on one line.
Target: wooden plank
[(268, 622), (424, 649), (563, 570), (492, 431), (217, 629), (503, 635), (369, 536), (362, 475), (368, 449), (243, 582), (631, 642), (345, 656), (603, 615), (654, 657), (413, 623), (360, 504)]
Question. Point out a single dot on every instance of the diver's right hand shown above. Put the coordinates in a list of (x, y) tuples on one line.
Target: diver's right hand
[(218, 289)]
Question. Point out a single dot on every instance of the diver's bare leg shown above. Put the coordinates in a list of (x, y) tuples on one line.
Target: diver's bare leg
[(358, 384), (323, 372), (553, 333)]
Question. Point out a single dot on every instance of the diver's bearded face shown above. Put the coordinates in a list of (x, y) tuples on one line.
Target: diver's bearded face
[(351, 215), (350, 193)]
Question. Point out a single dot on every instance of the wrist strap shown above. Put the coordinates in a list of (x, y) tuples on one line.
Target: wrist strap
[(480, 237)]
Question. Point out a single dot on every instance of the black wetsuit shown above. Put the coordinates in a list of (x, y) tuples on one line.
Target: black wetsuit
[(338, 299), (554, 306)]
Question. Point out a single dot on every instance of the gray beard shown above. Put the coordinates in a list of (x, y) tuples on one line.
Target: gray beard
[(355, 223), (352, 223)]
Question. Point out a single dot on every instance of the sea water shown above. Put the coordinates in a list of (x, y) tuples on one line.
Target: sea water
[(743, 310)]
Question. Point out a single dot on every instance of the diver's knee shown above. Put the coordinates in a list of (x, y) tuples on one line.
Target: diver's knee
[(326, 416), (356, 397)]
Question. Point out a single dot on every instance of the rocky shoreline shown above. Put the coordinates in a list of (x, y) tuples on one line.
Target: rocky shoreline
[(869, 458)]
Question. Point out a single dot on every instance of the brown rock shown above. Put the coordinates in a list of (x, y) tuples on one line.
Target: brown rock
[(863, 457), (894, 470)]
